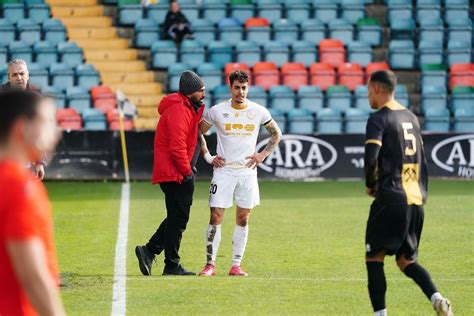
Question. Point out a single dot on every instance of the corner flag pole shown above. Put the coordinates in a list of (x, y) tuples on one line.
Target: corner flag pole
[(124, 143)]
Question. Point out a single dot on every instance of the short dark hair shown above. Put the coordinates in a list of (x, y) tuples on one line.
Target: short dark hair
[(385, 78), (16, 104), (239, 75)]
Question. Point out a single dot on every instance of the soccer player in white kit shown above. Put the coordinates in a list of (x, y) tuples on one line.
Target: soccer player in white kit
[(237, 122)]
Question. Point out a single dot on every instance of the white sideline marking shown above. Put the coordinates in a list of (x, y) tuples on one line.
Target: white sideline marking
[(250, 278), (119, 294)]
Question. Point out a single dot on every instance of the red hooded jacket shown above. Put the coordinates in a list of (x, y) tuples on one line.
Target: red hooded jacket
[(175, 139)]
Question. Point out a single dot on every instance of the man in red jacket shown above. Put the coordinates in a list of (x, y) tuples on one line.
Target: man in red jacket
[(176, 150)]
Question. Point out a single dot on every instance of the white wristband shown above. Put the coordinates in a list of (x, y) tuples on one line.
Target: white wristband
[(209, 159)]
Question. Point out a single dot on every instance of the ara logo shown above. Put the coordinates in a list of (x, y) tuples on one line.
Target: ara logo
[(456, 155), (299, 157)]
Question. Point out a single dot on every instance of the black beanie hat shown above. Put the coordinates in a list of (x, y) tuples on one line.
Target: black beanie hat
[(190, 82)]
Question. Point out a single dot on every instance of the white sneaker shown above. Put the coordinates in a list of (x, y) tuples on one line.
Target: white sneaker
[(442, 307)]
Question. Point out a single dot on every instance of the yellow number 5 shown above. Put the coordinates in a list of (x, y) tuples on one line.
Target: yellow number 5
[(409, 137)]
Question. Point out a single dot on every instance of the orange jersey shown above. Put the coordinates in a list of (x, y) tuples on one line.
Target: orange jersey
[(25, 213)]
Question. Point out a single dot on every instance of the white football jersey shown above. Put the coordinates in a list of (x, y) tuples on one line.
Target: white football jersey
[(237, 133)]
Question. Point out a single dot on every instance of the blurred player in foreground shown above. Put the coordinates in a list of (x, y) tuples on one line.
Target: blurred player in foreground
[(237, 123), (28, 269), (396, 176)]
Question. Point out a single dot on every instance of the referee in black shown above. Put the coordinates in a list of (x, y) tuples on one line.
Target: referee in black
[(396, 176)]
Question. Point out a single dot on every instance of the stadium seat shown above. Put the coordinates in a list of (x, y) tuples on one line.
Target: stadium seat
[(356, 120), (433, 97), (174, 73), (353, 10), (434, 75), (203, 31), (78, 98), (431, 29), (3, 57), (399, 10), (45, 53), (94, 120), (62, 76), (146, 32), (21, 50), (402, 29), (460, 29), (276, 52), (436, 120), (297, 10), (322, 75), (285, 31), (341, 29), (350, 75), (300, 121), (211, 74), (220, 93), (14, 12), (280, 118), (101, 92), (338, 98), (361, 98), (310, 98), (230, 31), (58, 96), (219, 53), (211, 11), (3, 73), (459, 53), (332, 52), (359, 52), (38, 75), (325, 11), (105, 105), (401, 94), (54, 31), (69, 119), (373, 67), (38, 12), (129, 14), (271, 10), (455, 9), (242, 12), (7, 32), (70, 53), (231, 67), (127, 125), (29, 31), (266, 75), (282, 98), (461, 75), (258, 95), (248, 52), (426, 9), (464, 120), (369, 31), (402, 54), (87, 76), (294, 75), (462, 97), (192, 53), (430, 52), (163, 54), (258, 30), (313, 31), (157, 12), (304, 52), (329, 121)]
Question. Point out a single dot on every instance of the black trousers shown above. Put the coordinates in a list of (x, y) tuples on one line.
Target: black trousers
[(178, 198)]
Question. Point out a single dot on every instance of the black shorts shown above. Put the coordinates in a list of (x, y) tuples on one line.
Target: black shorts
[(396, 229)]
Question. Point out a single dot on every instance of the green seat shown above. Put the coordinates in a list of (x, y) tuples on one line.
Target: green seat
[(337, 89), (367, 21), (463, 89), (239, 2), (125, 2), (433, 67)]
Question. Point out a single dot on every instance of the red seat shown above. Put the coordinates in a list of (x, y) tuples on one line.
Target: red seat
[(69, 119), (350, 75), (105, 104), (127, 125), (322, 75), (256, 22), (332, 52), (292, 67), (231, 67), (71, 125), (101, 92), (461, 75), (294, 75), (266, 74), (264, 66), (373, 67)]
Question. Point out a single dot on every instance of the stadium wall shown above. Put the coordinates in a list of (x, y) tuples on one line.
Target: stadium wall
[(97, 156)]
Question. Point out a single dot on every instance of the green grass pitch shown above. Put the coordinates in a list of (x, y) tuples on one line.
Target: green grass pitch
[(305, 253)]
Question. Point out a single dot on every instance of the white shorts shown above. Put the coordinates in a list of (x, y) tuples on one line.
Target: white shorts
[(225, 187)]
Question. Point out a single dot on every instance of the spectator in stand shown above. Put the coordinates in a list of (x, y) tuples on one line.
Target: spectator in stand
[(177, 26)]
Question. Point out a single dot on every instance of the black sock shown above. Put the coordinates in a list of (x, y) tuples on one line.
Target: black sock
[(422, 278), (377, 285)]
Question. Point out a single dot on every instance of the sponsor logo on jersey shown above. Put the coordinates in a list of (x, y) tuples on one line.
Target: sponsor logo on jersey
[(456, 155), (299, 157), (225, 115)]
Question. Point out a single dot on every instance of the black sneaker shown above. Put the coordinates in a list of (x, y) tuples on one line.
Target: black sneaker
[(145, 259), (179, 270)]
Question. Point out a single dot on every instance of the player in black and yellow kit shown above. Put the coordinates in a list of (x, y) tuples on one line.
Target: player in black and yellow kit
[(396, 176)]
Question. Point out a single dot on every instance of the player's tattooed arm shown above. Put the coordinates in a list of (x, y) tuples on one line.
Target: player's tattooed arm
[(204, 126), (275, 137)]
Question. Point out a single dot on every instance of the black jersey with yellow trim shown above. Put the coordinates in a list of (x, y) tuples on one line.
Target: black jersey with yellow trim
[(400, 170)]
